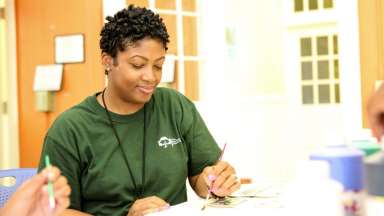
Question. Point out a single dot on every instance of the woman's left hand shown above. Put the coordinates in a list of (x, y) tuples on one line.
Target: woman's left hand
[(221, 179)]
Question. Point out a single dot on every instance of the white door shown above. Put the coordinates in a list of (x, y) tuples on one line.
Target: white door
[(321, 69), (313, 85), (311, 59)]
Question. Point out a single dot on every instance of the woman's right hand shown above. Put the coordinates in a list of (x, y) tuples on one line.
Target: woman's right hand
[(147, 205)]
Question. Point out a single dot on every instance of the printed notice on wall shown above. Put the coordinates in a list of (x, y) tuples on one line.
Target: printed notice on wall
[(48, 77), (69, 48)]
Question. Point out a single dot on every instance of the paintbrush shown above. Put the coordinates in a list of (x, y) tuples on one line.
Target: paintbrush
[(209, 188)]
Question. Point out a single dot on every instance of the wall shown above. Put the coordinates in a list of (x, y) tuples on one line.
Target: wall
[(349, 60), (243, 87), (254, 65), (246, 96), (242, 46), (38, 22)]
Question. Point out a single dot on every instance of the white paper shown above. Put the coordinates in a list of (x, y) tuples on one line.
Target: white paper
[(69, 48), (48, 77), (111, 7), (193, 208), (168, 74)]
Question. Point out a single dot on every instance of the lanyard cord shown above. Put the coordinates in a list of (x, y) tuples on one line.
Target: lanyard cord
[(138, 194)]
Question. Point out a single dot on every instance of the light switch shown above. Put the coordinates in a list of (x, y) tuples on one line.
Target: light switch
[(45, 101)]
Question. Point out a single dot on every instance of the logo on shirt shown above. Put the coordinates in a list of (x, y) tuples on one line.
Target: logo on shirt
[(165, 142)]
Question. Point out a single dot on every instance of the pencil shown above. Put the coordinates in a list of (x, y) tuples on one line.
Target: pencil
[(209, 188), (50, 185)]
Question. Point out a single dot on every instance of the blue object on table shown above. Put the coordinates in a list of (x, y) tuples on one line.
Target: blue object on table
[(20, 176), (346, 165), (374, 173)]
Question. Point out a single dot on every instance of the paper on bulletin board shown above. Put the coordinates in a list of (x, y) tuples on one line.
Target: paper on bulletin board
[(69, 48), (48, 77)]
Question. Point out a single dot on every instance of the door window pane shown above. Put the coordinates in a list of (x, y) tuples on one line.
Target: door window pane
[(190, 35), (305, 46), (313, 5), (328, 3), (337, 93), (189, 5), (306, 71), (323, 70), (336, 68), (192, 79), (307, 96), (324, 94), (335, 45), (140, 3), (170, 22), (167, 5), (299, 6), (322, 45)]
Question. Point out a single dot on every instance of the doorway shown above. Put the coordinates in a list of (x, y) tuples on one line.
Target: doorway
[(9, 146), (3, 84)]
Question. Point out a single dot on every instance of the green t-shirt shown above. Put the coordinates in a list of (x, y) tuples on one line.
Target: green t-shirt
[(81, 142)]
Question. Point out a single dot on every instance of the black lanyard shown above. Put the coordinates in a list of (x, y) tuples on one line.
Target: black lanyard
[(137, 192)]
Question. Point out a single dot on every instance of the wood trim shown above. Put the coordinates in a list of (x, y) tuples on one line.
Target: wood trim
[(12, 151), (371, 48)]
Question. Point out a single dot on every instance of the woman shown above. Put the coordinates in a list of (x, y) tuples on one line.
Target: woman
[(130, 148)]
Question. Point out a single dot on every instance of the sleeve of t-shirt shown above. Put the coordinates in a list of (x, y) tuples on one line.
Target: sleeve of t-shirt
[(202, 148), (64, 156)]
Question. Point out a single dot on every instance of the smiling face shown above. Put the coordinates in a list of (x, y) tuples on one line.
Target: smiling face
[(136, 71)]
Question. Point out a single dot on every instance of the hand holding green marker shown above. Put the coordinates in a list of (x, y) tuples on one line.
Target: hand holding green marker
[(50, 185)]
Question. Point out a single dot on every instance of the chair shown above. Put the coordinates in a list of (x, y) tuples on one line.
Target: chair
[(20, 175)]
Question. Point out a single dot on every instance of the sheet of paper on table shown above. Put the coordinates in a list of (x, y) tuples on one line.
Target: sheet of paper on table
[(259, 205), (263, 198), (226, 202)]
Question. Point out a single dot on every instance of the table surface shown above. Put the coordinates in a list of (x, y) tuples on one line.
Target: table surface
[(267, 206)]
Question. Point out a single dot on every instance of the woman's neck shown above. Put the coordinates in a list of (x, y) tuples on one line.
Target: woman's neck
[(116, 105)]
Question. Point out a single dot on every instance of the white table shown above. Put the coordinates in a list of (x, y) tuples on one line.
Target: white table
[(374, 208), (254, 206), (194, 208)]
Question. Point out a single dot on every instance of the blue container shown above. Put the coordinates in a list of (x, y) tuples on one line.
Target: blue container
[(374, 174), (346, 165)]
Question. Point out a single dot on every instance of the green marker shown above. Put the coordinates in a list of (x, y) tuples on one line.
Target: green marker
[(50, 185)]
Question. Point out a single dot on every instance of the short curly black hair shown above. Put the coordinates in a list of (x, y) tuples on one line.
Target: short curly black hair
[(130, 25)]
